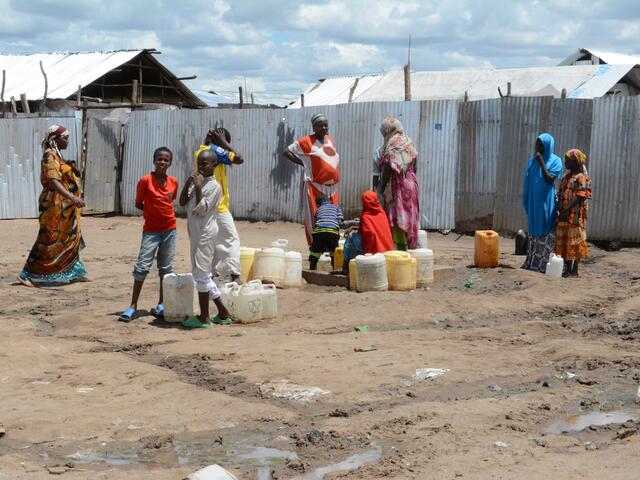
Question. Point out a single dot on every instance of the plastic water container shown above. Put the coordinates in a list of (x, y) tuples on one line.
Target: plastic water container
[(180, 297), (424, 266), (324, 263), (247, 256), (521, 243), (414, 273), (555, 266), (487, 249), (249, 309), (280, 243), (229, 297), (422, 239), (353, 276), (292, 269), (371, 272), (341, 242), (269, 301), (269, 265), (400, 274), (338, 258)]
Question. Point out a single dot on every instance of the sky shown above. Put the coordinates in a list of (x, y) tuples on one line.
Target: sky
[(277, 48)]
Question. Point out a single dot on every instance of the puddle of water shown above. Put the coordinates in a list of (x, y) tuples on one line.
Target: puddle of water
[(577, 423), (352, 463), (85, 457), (264, 457)]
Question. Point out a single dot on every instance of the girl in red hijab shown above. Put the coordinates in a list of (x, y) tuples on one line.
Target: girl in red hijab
[(374, 233)]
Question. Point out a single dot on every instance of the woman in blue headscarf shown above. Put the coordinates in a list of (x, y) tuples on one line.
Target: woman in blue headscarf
[(540, 203)]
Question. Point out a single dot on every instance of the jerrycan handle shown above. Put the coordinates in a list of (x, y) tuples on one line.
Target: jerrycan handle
[(231, 286), (255, 284)]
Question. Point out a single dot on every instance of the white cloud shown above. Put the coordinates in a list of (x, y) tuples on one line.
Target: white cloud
[(282, 45)]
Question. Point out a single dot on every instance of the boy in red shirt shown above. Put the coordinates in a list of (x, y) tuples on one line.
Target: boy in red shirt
[(155, 195)]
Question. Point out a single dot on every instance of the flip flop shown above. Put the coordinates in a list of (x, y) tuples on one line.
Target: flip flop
[(127, 315), (158, 311), (221, 321), (194, 322)]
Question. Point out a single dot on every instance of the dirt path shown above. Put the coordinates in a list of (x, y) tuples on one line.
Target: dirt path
[(147, 400)]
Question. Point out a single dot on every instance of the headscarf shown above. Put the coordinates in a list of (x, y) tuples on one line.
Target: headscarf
[(539, 197), (398, 149), (579, 157), (374, 225), (54, 133), (318, 117)]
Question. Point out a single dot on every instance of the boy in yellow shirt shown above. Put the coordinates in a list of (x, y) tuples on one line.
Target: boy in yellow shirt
[(226, 261)]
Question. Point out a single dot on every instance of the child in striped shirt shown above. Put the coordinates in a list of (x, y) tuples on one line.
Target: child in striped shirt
[(326, 230)]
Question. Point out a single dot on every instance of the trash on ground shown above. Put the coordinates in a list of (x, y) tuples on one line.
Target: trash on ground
[(85, 390), (360, 350), (569, 375), (429, 373), (291, 391), (501, 444), (212, 472), (3, 432), (495, 388), (57, 470), (362, 328), (469, 283)]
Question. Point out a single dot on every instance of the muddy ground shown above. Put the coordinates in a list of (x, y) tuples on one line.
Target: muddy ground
[(86, 397)]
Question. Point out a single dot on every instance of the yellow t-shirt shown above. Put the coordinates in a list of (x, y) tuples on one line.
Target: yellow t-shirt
[(219, 172)]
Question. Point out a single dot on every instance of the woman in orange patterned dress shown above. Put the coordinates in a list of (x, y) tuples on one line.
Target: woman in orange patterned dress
[(317, 154), (571, 231), (55, 256)]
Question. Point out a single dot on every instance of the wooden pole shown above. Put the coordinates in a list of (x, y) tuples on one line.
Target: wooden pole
[(78, 95), (134, 93), (14, 108), (84, 144), (253, 100), (466, 95), (25, 104), (4, 75), (353, 89), (407, 82), (241, 97), (563, 94), (302, 99), (46, 83), (508, 89)]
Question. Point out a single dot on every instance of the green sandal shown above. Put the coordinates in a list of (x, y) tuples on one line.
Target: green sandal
[(221, 321), (194, 322)]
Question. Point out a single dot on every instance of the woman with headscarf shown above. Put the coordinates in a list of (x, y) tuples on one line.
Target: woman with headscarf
[(55, 256), (575, 193), (397, 163), (540, 203), (373, 234), (317, 154)]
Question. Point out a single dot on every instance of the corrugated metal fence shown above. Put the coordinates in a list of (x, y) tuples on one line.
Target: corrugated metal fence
[(470, 169), (20, 156)]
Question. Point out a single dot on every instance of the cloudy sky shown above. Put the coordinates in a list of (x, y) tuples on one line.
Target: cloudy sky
[(280, 46)]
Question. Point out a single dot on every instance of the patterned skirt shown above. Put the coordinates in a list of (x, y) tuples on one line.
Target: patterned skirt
[(571, 241), (539, 250)]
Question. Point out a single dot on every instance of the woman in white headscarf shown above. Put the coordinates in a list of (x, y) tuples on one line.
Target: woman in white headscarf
[(397, 162), (55, 256)]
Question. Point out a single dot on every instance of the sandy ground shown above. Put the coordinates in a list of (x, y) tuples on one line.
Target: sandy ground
[(149, 400)]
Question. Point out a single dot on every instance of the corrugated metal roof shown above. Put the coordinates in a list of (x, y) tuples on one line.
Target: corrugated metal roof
[(605, 57), (483, 84), (581, 81), (333, 91), (65, 71)]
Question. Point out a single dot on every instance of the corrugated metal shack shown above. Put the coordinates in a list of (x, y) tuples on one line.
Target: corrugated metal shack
[(472, 156)]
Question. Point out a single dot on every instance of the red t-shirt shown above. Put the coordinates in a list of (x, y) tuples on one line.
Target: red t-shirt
[(158, 212)]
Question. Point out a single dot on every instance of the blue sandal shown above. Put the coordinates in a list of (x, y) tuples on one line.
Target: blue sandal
[(127, 315), (158, 311)]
